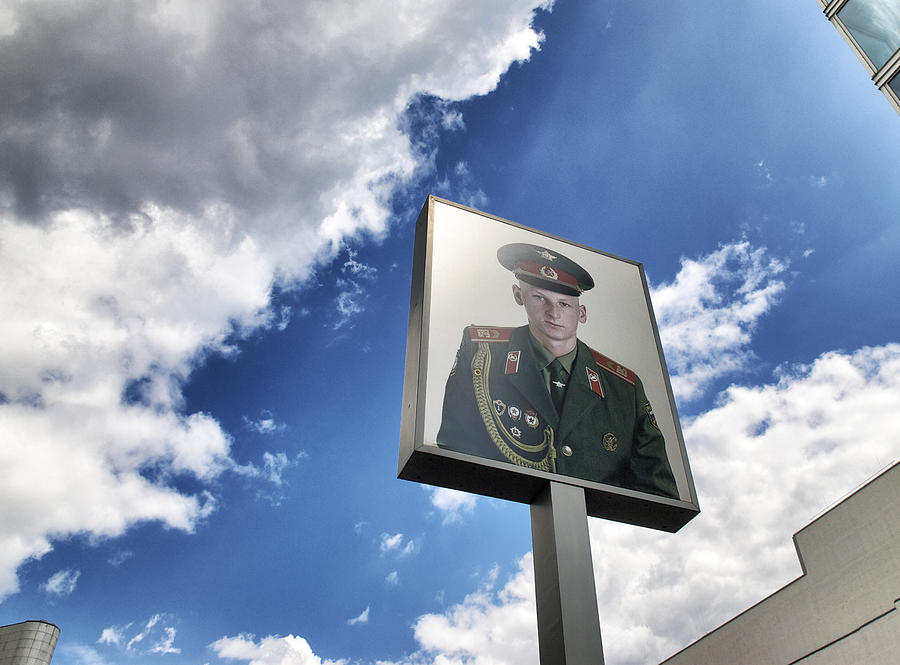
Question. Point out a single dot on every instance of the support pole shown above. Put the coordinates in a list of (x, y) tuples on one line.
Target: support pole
[(568, 621)]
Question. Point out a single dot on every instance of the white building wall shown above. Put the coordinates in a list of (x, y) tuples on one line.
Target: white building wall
[(28, 643), (845, 608)]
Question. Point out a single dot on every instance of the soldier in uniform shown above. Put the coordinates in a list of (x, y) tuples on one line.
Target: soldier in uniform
[(539, 397)]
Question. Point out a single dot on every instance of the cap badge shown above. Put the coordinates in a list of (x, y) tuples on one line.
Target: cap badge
[(610, 442), (549, 272)]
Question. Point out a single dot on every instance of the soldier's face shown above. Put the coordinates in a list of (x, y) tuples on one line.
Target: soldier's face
[(552, 316)]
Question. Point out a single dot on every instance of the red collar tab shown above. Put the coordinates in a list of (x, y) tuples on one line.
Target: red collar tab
[(594, 380)]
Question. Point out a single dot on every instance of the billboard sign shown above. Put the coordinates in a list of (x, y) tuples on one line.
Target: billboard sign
[(531, 358)]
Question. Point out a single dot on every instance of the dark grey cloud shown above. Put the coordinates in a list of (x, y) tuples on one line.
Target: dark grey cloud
[(110, 105), (162, 165), (106, 106), (96, 112)]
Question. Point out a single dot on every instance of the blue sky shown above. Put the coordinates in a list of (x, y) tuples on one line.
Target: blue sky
[(206, 227)]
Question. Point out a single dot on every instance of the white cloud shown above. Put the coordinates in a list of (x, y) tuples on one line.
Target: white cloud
[(114, 635), (270, 650), (139, 637), (62, 582), (453, 120), (152, 192), (81, 654), (87, 322), (462, 187), (487, 628), (165, 644), (395, 543), (764, 171), (357, 268), (766, 461), (490, 627), (265, 424), (155, 632), (362, 618), (348, 302), (389, 542), (120, 557), (273, 467), (452, 503), (272, 470), (393, 578), (351, 296), (707, 313)]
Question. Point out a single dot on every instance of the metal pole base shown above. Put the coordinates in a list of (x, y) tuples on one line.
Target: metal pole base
[(568, 621)]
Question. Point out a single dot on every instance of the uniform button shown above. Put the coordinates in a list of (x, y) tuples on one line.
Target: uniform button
[(567, 451)]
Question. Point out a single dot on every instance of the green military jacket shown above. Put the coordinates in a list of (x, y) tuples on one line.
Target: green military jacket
[(496, 406)]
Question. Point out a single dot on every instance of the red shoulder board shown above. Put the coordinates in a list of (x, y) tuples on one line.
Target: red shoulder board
[(612, 366), (489, 334)]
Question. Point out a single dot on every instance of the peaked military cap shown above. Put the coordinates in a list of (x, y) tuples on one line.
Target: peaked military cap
[(544, 269)]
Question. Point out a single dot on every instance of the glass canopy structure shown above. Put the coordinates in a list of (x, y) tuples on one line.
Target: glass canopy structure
[(872, 28)]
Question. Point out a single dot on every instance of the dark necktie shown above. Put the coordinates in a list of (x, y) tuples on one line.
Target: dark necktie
[(559, 377)]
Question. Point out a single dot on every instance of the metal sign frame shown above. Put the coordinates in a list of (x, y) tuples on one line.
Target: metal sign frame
[(421, 460)]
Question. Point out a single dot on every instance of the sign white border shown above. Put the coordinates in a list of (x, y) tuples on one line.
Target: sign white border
[(457, 281)]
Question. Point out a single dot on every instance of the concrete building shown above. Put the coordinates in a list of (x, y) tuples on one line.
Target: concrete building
[(843, 610), (28, 643), (872, 28)]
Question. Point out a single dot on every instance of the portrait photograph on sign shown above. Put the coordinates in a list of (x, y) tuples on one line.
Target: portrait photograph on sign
[(542, 355)]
